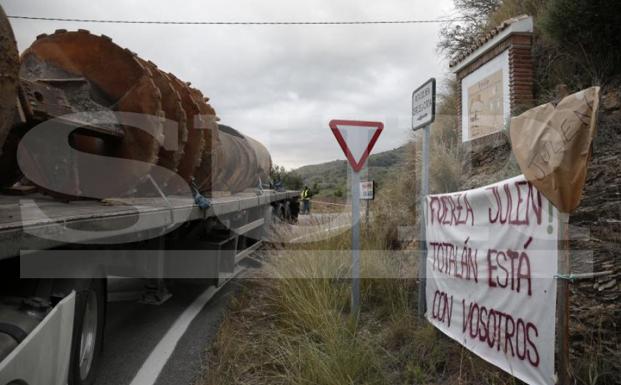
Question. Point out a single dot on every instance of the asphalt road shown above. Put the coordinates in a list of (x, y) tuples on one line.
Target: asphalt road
[(134, 330), (138, 346)]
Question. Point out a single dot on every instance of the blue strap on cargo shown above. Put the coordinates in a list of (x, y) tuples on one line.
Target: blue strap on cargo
[(201, 201)]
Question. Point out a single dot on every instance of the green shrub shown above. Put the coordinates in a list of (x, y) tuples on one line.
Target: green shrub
[(587, 34), (290, 179)]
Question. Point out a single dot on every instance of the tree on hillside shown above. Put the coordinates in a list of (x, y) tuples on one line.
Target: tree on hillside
[(457, 37), (289, 179), (588, 34)]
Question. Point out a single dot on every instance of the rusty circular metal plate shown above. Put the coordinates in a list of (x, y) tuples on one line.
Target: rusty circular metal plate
[(122, 84), (9, 72)]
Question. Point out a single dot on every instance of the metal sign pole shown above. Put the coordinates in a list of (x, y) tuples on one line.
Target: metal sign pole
[(564, 269), (423, 115), (362, 145), (355, 242), (366, 216), (422, 279)]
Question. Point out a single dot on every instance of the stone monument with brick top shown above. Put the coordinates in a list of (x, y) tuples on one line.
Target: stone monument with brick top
[(495, 81)]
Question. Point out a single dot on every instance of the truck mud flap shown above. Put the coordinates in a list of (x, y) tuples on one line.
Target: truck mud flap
[(43, 357)]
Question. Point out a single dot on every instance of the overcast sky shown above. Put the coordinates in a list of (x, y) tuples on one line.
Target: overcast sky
[(278, 84)]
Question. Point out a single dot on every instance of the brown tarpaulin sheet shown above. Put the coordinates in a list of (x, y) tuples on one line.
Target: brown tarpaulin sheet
[(552, 145)]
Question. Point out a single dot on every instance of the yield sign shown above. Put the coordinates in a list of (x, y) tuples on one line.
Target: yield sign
[(357, 139)]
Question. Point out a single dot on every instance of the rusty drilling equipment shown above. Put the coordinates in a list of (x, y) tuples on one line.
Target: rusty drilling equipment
[(87, 82)]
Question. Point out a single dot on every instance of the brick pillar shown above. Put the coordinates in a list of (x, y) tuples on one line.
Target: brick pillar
[(458, 106), (521, 73)]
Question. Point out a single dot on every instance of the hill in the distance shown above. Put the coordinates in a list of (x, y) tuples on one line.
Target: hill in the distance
[(331, 177)]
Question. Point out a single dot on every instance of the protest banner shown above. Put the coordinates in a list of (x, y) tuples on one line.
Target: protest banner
[(491, 266)]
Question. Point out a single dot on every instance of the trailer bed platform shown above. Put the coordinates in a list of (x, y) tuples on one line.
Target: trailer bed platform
[(38, 222)]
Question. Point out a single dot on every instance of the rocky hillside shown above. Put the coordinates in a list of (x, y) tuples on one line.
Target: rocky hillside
[(595, 228)]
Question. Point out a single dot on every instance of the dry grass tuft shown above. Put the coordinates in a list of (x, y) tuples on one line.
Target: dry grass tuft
[(298, 331)]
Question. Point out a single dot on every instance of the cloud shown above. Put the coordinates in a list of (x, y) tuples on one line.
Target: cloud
[(279, 84)]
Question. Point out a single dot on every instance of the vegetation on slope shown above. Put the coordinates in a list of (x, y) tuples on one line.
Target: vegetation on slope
[(295, 331), (330, 179)]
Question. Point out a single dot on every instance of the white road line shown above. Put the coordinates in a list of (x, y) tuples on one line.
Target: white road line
[(152, 367)]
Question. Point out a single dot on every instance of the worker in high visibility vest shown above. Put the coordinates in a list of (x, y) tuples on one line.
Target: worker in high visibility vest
[(306, 196)]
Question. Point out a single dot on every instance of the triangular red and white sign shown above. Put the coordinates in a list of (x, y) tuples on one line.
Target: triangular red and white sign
[(357, 139)]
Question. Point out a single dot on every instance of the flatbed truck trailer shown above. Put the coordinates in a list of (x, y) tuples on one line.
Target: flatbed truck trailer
[(56, 258)]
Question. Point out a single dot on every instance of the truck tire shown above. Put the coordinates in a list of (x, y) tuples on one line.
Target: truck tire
[(88, 329)]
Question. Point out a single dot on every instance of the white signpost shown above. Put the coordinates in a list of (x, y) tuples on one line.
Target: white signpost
[(491, 269), (367, 190), (356, 139), (423, 114), (424, 105)]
